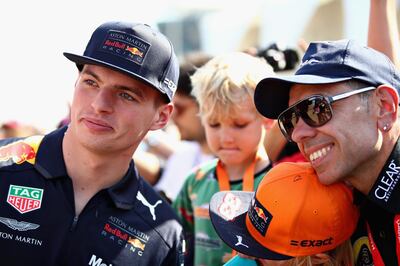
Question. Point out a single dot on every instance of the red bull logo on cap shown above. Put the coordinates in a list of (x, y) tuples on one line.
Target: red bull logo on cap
[(134, 51), (260, 213), (127, 46), (259, 217)]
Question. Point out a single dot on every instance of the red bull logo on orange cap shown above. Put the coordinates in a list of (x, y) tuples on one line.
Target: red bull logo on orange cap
[(259, 217), (21, 151), (260, 213)]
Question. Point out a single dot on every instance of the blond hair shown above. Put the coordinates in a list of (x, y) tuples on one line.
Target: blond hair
[(342, 255), (228, 81)]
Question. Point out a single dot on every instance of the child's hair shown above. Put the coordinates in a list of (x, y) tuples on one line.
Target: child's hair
[(228, 80), (342, 255)]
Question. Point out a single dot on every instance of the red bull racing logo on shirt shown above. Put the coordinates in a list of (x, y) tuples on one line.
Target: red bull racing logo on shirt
[(24, 199), (118, 231), (18, 151), (21, 151)]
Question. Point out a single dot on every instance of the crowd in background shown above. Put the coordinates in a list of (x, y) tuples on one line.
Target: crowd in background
[(170, 157)]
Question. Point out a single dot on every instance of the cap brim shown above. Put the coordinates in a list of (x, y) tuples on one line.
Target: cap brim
[(85, 60), (271, 96), (233, 231)]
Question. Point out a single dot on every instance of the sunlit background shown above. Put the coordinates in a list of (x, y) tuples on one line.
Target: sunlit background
[(37, 80)]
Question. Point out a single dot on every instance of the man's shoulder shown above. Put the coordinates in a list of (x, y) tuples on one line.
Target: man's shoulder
[(157, 213), (19, 151)]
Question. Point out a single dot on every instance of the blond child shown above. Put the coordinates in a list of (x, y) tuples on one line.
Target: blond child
[(224, 89)]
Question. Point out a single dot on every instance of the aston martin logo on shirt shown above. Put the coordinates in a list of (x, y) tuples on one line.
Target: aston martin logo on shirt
[(19, 226)]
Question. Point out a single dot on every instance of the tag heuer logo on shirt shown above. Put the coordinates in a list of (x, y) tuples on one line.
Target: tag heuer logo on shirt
[(25, 199)]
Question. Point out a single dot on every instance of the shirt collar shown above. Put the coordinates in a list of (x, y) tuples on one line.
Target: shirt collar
[(386, 190), (50, 163)]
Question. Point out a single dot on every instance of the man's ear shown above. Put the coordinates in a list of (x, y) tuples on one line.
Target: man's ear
[(162, 117), (388, 102)]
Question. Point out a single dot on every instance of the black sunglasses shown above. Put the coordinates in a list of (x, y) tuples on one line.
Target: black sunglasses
[(315, 111)]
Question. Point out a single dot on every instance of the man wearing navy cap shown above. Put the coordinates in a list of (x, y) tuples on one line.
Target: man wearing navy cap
[(341, 108), (74, 197)]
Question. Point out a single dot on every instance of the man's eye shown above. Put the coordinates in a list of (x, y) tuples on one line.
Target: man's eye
[(89, 82), (127, 96)]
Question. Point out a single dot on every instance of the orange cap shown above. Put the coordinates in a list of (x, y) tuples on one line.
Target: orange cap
[(291, 214)]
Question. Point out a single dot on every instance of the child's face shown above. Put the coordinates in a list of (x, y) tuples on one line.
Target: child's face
[(234, 139)]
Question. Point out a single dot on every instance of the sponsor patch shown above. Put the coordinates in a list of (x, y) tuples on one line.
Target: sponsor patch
[(229, 206), (259, 217), (145, 202), (21, 151), (24, 199), (387, 182), (126, 46), (239, 242), (94, 261), (119, 232), (362, 252), (305, 243), (19, 226), (22, 239)]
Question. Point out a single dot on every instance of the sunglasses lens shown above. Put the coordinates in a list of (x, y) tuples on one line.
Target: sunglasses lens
[(315, 111), (287, 121)]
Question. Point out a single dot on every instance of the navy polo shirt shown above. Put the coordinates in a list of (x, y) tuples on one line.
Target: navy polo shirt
[(379, 209), (127, 224)]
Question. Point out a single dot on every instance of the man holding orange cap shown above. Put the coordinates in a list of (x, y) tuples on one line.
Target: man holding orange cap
[(342, 109), (290, 215)]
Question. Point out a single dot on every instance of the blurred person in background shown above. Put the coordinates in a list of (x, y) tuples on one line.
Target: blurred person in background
[(13, 129), (383, 32), (163, 152), (193, 148), (282, 59), (224, 89)]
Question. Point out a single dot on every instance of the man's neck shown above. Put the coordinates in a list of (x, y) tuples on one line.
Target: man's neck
[(366, 175), (91, 172)]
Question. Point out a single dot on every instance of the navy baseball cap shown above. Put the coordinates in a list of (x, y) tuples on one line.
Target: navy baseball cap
[(134, 49), (324, 63)]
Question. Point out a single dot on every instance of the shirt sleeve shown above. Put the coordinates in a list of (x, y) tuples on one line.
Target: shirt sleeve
[(184, 209)]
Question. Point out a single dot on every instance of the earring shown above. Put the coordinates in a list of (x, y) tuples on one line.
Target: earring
[(385, 127)]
